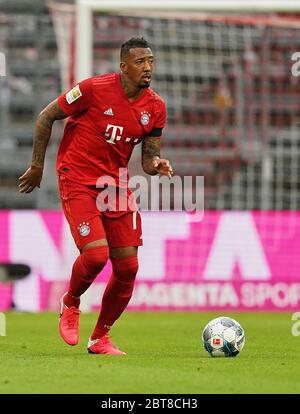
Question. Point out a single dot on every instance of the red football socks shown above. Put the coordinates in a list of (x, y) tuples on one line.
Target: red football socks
[(117, 293), (85, 269)]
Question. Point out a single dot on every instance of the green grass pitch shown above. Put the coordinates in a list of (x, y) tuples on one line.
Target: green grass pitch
[(164, 355)]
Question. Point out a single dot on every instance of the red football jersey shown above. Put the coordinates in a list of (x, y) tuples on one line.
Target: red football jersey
[(104, 127)]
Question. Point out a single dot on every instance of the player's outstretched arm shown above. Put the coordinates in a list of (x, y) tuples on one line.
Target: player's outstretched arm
[(43, 127), (151, 162)]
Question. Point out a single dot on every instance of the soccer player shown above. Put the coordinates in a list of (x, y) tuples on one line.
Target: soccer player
[(108, 115)]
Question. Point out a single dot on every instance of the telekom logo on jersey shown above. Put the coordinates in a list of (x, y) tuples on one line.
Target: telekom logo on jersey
[(114, 133), (115, 130)]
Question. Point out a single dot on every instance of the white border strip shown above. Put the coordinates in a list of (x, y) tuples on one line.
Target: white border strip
[(201, 5), (85, 9)]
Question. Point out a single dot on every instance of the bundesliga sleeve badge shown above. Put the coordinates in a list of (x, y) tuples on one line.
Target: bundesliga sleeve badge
[(73, 94), (145, 118)]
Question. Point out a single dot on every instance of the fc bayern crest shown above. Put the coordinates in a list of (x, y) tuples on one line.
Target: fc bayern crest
[(84, 229), (145, 118)]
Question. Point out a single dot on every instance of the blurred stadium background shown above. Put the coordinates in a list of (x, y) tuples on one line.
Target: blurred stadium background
[(225, 74), (224, 68)]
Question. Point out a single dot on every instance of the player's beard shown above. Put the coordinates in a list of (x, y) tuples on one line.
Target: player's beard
[(144, 84)]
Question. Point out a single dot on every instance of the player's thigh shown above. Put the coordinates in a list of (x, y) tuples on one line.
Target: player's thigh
[(123, 230), (120, 252), (81, 212)]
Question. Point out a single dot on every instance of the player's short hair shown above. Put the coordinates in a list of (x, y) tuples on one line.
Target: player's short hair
[(131, 44)]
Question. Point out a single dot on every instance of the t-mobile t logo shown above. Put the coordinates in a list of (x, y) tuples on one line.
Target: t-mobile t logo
[(115, 130)]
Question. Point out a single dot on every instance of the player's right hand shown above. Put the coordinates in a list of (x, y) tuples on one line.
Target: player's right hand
[(30, 179)]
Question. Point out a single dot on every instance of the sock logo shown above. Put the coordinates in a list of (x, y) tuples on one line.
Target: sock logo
[(84, 229)]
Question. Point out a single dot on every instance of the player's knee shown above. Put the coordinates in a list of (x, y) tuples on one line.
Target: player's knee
[(125, 268), (95, 258)]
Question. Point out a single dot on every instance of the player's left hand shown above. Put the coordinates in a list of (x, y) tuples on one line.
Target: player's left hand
[(163, 167)]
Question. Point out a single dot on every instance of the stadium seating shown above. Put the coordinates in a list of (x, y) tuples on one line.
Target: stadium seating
[(28, 41)]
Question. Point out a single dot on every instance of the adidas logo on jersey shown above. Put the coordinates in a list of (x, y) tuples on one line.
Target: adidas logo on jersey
[(109, 112)]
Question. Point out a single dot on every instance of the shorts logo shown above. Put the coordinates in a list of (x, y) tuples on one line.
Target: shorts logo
[(84, 229), (145, 118), (73, 94)]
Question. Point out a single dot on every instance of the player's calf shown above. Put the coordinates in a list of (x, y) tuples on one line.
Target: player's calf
[(85, 269), (117, 294)]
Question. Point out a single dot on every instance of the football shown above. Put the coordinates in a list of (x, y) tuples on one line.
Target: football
[(223, 336)]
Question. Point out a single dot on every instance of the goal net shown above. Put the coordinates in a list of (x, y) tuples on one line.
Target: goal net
[(233, 102)]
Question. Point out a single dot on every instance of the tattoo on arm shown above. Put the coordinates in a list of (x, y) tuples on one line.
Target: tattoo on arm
[(43, 130), (150, 150)]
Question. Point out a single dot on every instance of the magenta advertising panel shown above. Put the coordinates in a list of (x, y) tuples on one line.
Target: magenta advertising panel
[(225, 261)]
